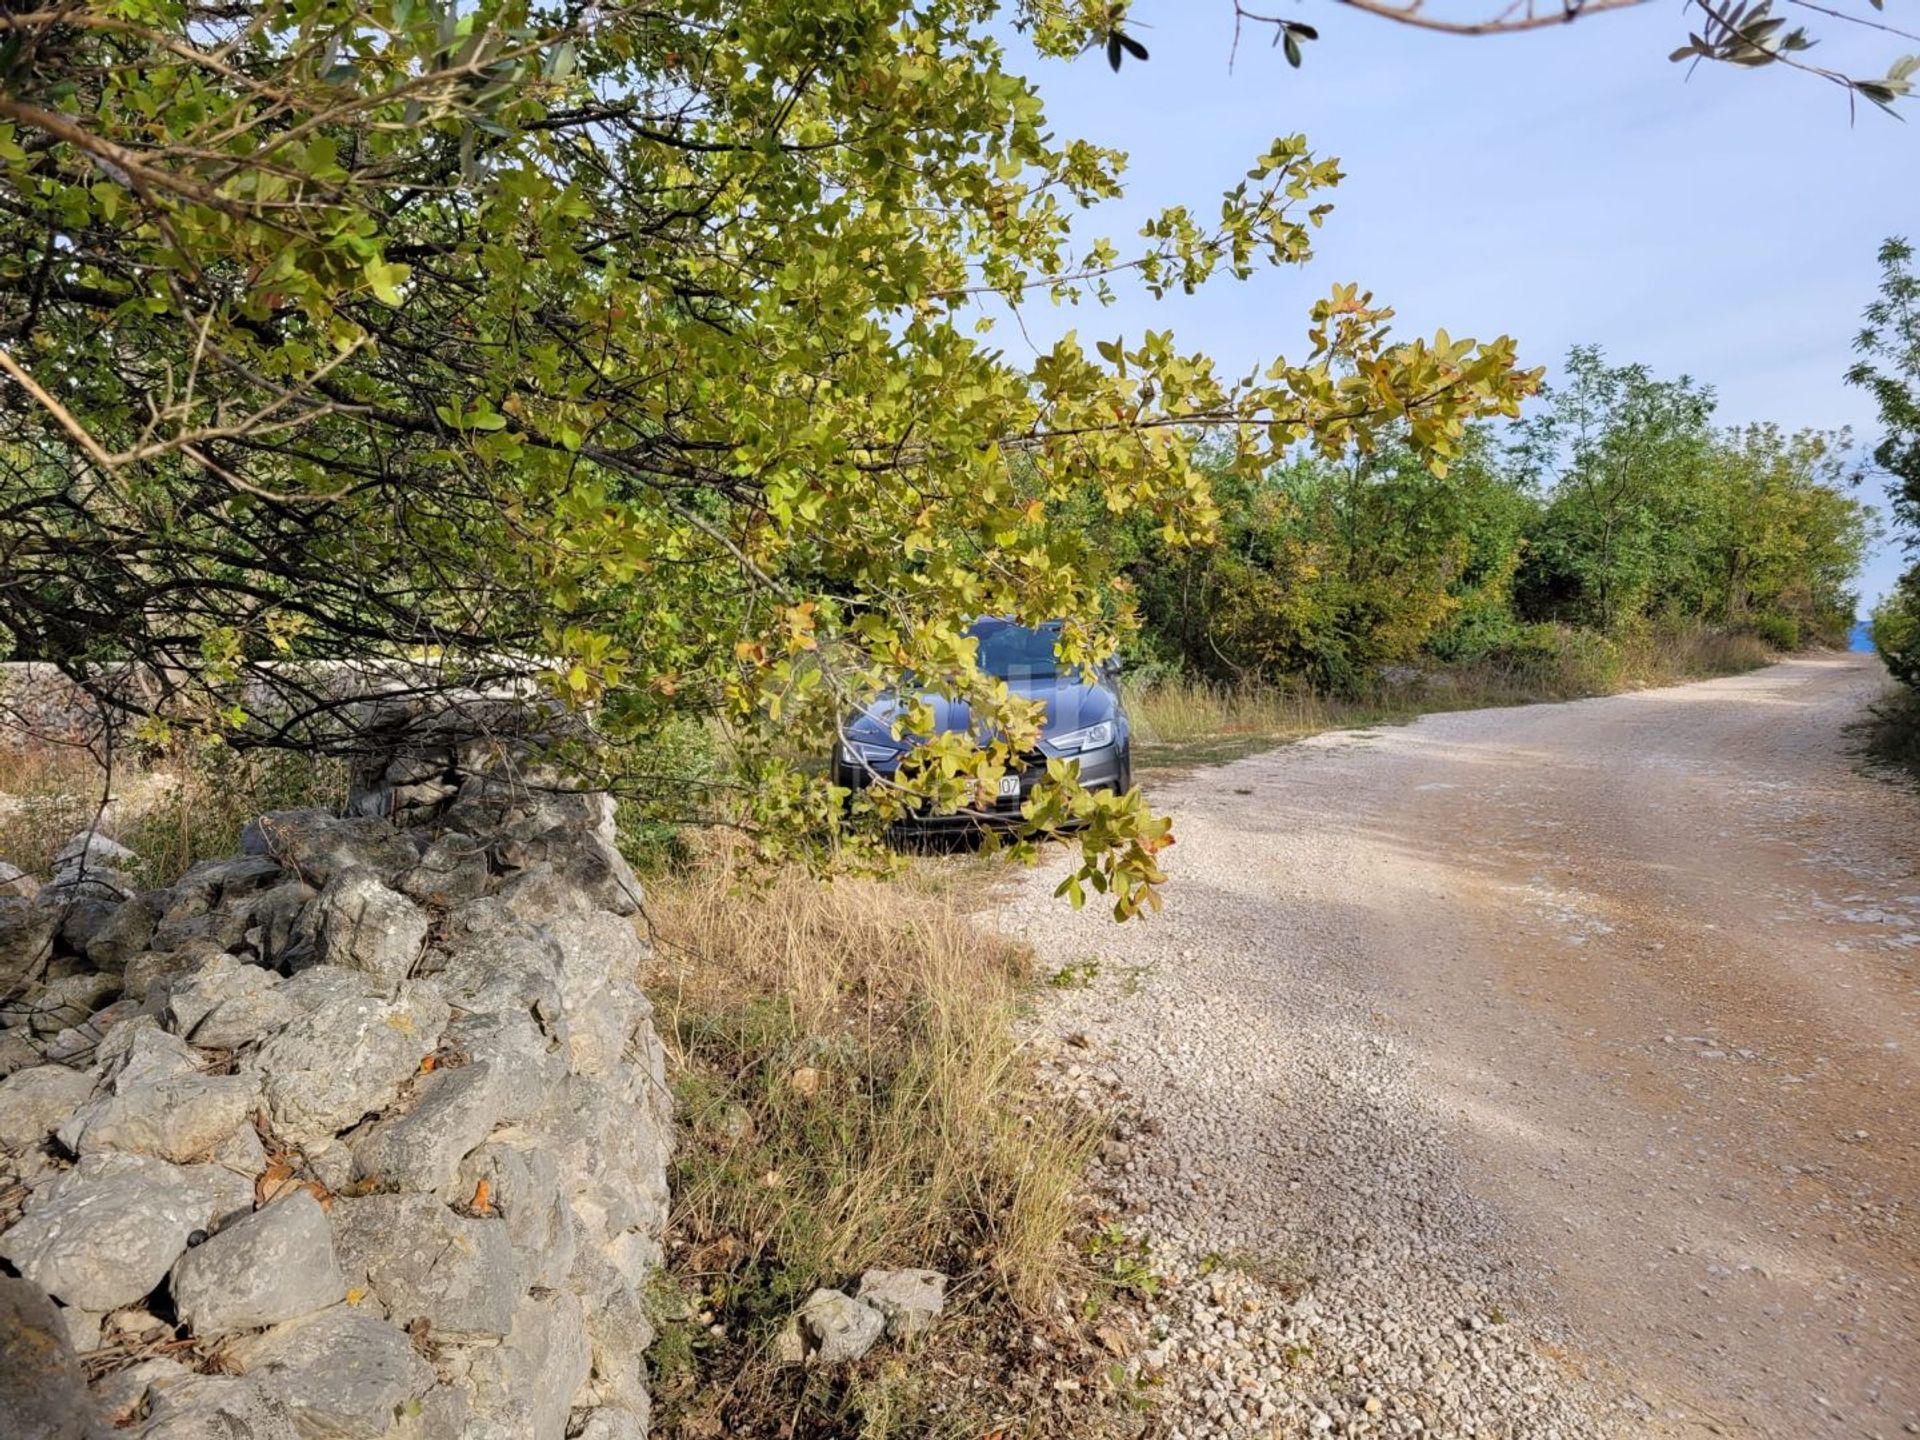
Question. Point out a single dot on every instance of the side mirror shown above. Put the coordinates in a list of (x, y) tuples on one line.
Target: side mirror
[(1111, 667)]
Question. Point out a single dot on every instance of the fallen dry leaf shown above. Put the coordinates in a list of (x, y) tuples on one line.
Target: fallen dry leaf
[(481, 1203)]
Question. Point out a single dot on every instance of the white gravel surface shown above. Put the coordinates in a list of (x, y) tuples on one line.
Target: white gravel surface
[(1433, 1105)]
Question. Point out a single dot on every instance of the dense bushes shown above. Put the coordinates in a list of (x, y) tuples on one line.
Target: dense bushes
[(1617, 518)]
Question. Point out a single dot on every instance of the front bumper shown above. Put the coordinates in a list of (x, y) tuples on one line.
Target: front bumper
[(1102, 769)]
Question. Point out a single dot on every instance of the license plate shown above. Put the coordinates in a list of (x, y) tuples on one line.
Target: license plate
[(1009, 787)]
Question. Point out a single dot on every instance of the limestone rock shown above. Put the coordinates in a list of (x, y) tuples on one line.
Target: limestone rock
[(27, 929), (526, 1061), (17, 1052), (140, 1052), (909, 1300), (36, 1102), (423, 1260), (840, 1327), (359, 924), (148, 975), (125, 932), (612, 1422), (524, 1180), (78, 1044), (273, 1265), (16, 883), (64, 1003), (316, 845), (585, 857), (89, 850), (487, 959), (342, 1372), (104, 1233), (42, 1390), (217, 1407), (524, 1389), (222, 882), (453, 868), (346, 1057), (179, 1118), (273, 919), (225, 1004), (421, 1149), (120, 1397)]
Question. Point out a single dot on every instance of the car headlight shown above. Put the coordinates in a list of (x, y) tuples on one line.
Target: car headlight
[(1094, 737), (854, 752)]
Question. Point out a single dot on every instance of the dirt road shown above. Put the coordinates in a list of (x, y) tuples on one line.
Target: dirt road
[(1546, 1071)]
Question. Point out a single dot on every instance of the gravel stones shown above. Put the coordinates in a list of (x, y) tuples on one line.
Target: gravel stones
[(103, 1234), (273, 1265), (344, 1374), (1297, 1192)]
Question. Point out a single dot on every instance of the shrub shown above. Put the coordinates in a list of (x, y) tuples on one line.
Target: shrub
[(1896, 629), (1782, 632)]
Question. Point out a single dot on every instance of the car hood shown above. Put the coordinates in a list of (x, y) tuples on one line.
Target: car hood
[(1072, 704)]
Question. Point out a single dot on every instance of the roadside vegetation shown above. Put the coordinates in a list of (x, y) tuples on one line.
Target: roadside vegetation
[(1889, 370), (852, 1094)]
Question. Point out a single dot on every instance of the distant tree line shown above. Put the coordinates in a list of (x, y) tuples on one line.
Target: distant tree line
[(1619, 507)]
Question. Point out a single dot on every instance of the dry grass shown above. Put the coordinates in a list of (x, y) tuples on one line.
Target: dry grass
[(1183, 723), (171, 809), (852, 1095)]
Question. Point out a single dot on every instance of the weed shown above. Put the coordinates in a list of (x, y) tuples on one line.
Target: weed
[(1076, 976), (851, 1094)]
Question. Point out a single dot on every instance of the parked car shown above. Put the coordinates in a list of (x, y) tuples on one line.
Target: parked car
[(1085, 721)]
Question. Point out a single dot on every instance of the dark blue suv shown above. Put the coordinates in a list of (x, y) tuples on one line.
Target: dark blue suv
[(1085, 721)]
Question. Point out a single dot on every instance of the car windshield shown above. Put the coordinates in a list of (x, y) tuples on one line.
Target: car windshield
[(1015, 652)]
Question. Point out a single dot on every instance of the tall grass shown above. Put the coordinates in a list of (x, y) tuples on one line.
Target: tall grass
[(852, 1095), (173, 809)]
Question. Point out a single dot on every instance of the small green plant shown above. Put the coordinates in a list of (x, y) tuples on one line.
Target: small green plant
[(1079, 975), (1122, 1262)]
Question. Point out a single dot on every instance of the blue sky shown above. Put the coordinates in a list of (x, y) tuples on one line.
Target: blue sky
[(1562, 186)]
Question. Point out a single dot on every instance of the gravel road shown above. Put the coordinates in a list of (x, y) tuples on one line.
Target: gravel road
[(1535, 1072)]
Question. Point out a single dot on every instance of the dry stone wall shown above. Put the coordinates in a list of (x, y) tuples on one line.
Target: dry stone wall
[(362, 1132)]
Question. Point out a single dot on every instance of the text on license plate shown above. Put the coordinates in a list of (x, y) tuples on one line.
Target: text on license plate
[(1009, 787)]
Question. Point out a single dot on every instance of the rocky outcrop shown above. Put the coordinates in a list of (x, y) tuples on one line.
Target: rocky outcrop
[(373, 1118)]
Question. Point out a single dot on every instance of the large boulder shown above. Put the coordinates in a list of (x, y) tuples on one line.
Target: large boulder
[(421, 1147), (317, 845), (103, 1234), (36, 1102), (273, 1265), (424, 1261), (360, 924), (344, 1374), (347, 1057), (43, 1393)]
